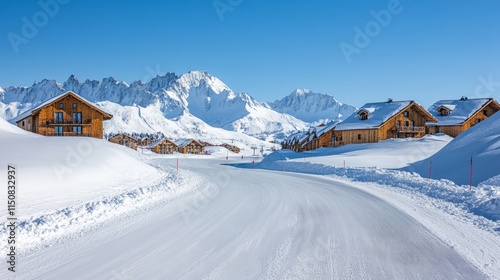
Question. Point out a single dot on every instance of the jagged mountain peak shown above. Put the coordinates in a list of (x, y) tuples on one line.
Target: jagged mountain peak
[(311, 106), (301, 91)]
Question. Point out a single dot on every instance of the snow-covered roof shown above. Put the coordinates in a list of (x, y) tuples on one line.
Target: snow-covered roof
[(55, 98), (158, 142), (326, 128), (460, 110), (183, 142), (378, 114)]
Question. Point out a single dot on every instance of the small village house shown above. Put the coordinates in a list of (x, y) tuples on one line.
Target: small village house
[(322, 137), (383, 120), (298, 141), (232, 148), (67, 114), (145, 141), (189, 146), (456, 116), (124, 140), (163, 146)]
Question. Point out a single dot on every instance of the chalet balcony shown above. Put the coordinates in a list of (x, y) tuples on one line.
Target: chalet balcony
[(76, 134), (411, 129), (58, 122)]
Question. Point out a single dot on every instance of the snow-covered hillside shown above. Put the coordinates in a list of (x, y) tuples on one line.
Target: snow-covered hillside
[(311, 107), (481, 142), (196, 93), (56, 172)]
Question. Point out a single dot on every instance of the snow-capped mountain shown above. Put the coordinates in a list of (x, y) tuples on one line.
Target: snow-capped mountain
[(194, 95), (311, 107)]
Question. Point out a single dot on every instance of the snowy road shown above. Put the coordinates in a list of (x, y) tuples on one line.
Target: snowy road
[(255, 224)]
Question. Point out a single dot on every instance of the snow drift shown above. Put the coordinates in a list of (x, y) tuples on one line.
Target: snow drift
[(481, 142)]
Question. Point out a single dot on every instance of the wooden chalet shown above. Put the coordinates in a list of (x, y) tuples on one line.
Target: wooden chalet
[(232, 148), (145, 141), (322, 137), (67, 114), (189, 146), (163, 146), (456, 116), (125, 140), (298, 141), (381, 121)]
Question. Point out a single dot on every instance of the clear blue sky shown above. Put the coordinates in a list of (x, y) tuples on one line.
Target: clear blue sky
[(428, 49)]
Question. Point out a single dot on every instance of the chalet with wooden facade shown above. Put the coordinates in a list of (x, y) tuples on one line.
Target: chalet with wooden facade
[(125, 140), (298, 141), (189, 146), (232, 148), (163, 146), (322, 137), (381, 121), (145, 142), (67, 114), (456, 116)]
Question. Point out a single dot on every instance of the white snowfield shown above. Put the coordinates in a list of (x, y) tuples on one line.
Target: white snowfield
[(215, 221)]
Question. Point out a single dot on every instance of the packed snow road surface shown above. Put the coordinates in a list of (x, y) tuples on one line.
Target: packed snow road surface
[(255, 224)]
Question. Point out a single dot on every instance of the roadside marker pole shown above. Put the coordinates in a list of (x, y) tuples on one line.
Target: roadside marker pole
[(177, 165), (470, 187)]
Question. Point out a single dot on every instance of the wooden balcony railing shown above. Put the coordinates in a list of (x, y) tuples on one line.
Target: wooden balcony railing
[(69, 122), (67, 134), (416, 129)]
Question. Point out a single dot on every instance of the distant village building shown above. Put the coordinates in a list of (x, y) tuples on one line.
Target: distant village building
[(232, 148), (298, 141), (124, 140), (67, 114), (189, 146), (163, 146), (383, 120), (323, 137), (456, 116), (145, 141)]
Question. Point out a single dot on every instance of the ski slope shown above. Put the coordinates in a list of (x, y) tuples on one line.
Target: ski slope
[(255, 224)]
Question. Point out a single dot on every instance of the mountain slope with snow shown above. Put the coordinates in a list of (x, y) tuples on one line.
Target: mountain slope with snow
[(481, 142), (196, 93), (311, 107)]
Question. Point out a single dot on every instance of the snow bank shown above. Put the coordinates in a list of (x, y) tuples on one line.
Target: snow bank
[(482, 142), (56, 172)]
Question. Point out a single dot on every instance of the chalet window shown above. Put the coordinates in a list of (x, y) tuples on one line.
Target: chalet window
[(485, 113), (407, 123), (77, 117), (58, 117), (412, 123), (399, 124), (23, 123), (445, 112), (478, 120), (58, 131), (74, 105), (364, 116), (359, 136), (77, 130), (61, 106), (406, 114)]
